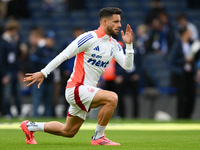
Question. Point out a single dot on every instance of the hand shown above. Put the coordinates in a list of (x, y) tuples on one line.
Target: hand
[(128, 36), (34, 77)]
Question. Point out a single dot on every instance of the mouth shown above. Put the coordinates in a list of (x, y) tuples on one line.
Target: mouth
[(117, 30)]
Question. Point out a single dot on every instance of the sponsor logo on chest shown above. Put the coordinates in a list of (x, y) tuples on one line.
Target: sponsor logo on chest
[(96, 59)]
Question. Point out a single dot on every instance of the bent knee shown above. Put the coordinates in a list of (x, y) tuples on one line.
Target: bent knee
[(69, 134), (113, 99)]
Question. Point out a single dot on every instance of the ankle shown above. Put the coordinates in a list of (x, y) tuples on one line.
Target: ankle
[(35, 126), (99, 132)]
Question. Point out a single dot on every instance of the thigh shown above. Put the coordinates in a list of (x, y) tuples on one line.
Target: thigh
[(102, 97), (80, 98)]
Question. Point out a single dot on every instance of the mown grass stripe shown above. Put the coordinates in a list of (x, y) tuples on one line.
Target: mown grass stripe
[(125, 126)]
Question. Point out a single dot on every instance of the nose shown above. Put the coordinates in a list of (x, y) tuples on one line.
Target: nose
[(120, 24)]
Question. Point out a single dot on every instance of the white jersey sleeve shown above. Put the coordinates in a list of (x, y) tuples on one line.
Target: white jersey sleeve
[(124, 60), (77, 46)]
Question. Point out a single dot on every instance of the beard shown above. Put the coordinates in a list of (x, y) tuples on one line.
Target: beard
[(112, 32)]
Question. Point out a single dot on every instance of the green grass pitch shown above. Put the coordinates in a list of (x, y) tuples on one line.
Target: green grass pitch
[(11, 139)]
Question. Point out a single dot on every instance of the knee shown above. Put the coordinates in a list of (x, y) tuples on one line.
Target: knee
[(113, 99), (69, 134)]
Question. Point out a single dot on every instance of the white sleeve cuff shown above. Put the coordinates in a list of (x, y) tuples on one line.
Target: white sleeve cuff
[(44, 73), (129, 48)]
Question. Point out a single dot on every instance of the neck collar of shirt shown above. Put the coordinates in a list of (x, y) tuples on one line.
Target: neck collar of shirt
[(101, 33)]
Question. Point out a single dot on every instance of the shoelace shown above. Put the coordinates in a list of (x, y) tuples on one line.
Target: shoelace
[(32, 136), (106, 139)]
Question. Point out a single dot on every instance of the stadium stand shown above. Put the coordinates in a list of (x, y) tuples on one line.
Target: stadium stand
[(62, 23), (133, 12)]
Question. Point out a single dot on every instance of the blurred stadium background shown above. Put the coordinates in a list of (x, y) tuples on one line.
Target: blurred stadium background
[(134, 11)]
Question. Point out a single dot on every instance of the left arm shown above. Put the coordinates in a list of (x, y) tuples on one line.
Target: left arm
[(126, 61)]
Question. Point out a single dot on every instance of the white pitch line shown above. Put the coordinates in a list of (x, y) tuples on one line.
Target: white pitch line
[(149, 126), (126, 126)]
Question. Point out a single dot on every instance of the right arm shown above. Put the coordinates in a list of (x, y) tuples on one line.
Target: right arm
[(77, 46), (67, 53)]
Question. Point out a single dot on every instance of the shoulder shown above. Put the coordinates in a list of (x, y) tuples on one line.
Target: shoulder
[(87, 35), (117, 44), (85, 38), (191, 25)]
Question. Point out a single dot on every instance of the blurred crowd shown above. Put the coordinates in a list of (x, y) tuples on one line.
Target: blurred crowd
[(179, 44)]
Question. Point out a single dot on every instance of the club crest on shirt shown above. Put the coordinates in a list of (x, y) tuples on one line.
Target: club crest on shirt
[(90, 89)]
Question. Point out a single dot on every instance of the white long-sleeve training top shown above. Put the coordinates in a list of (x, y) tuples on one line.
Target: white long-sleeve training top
[(94, 50)]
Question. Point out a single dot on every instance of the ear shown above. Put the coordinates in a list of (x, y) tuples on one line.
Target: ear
[(104, 21)]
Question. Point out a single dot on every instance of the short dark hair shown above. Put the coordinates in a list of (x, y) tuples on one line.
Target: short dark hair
[(182, 29), (12, 25), (38, 30), (109, 11), (77, 28), (181, 16)]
